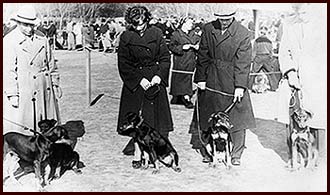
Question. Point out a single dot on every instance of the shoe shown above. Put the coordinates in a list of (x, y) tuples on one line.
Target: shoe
[(236, 161), (206, 159), (205, 155), (136, 164), (187, 103)]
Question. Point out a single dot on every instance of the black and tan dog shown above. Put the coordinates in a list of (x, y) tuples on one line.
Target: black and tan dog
[(32, 150), (61, 159), (302, 141), (45, 125), (152, 144), (217, 139)]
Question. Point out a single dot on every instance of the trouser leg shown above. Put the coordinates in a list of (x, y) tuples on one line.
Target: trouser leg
[(238, 142)]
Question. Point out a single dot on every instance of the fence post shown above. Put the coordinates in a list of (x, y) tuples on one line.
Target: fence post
[(88, 75)]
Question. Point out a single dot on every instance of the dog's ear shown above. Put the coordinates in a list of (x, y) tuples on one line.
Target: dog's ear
[(309, 113), (53, 122), (40, 123), (64, 133)]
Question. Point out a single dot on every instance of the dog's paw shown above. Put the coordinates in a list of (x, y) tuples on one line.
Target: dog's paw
[(156, 171), (293, 168), (77, 171), (212, 165), (145, 167), (43, 184), (177, 169)]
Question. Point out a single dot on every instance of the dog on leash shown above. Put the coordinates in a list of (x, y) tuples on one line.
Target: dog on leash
[(32, 150), (154, 147), (62, 158), (45, 125), (217, 138), (302, 141)]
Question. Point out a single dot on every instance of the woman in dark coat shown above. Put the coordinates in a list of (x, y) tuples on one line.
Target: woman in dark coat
[(184, 45), (143, 62), (224, 60)]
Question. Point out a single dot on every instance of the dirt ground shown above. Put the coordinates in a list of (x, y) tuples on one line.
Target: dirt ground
[(263, 161)]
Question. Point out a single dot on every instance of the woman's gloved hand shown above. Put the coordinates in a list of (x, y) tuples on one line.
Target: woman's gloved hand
[(145, 84)]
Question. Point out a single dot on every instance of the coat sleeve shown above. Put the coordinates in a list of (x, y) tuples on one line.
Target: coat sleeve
[(10, 84), (175, 46), (164, 59), (53, 69), (286, 57), (127, 71), (203, 59), (243, 63)]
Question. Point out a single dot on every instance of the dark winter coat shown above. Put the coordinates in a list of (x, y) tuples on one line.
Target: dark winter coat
[(224, 63), (184, 60), (144, 57)]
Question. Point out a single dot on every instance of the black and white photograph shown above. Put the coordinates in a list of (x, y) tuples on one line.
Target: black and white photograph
[(164, 97)]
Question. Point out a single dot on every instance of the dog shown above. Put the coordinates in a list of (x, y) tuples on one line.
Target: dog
[(302, 141), (153, 145), (61, 159), (33, 150), (217, 139), (45, 125), (261, 83)]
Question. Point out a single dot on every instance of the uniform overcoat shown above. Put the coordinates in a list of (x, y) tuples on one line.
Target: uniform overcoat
[(25, 74), (224, 61), (181, 84), (144, 57)]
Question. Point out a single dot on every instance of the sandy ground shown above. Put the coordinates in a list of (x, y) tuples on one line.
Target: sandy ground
[(263, 162)]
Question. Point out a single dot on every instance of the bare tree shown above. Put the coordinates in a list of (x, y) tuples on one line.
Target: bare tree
[(63, 10)]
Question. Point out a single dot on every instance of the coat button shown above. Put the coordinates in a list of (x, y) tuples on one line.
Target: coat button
[(34, 77)]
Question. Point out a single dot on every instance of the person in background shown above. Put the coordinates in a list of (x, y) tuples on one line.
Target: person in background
[(143, 64), (264, 62), (105, 35), (222, 71), (71, 35), (184, 45), (77, 29), (120, 28)]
